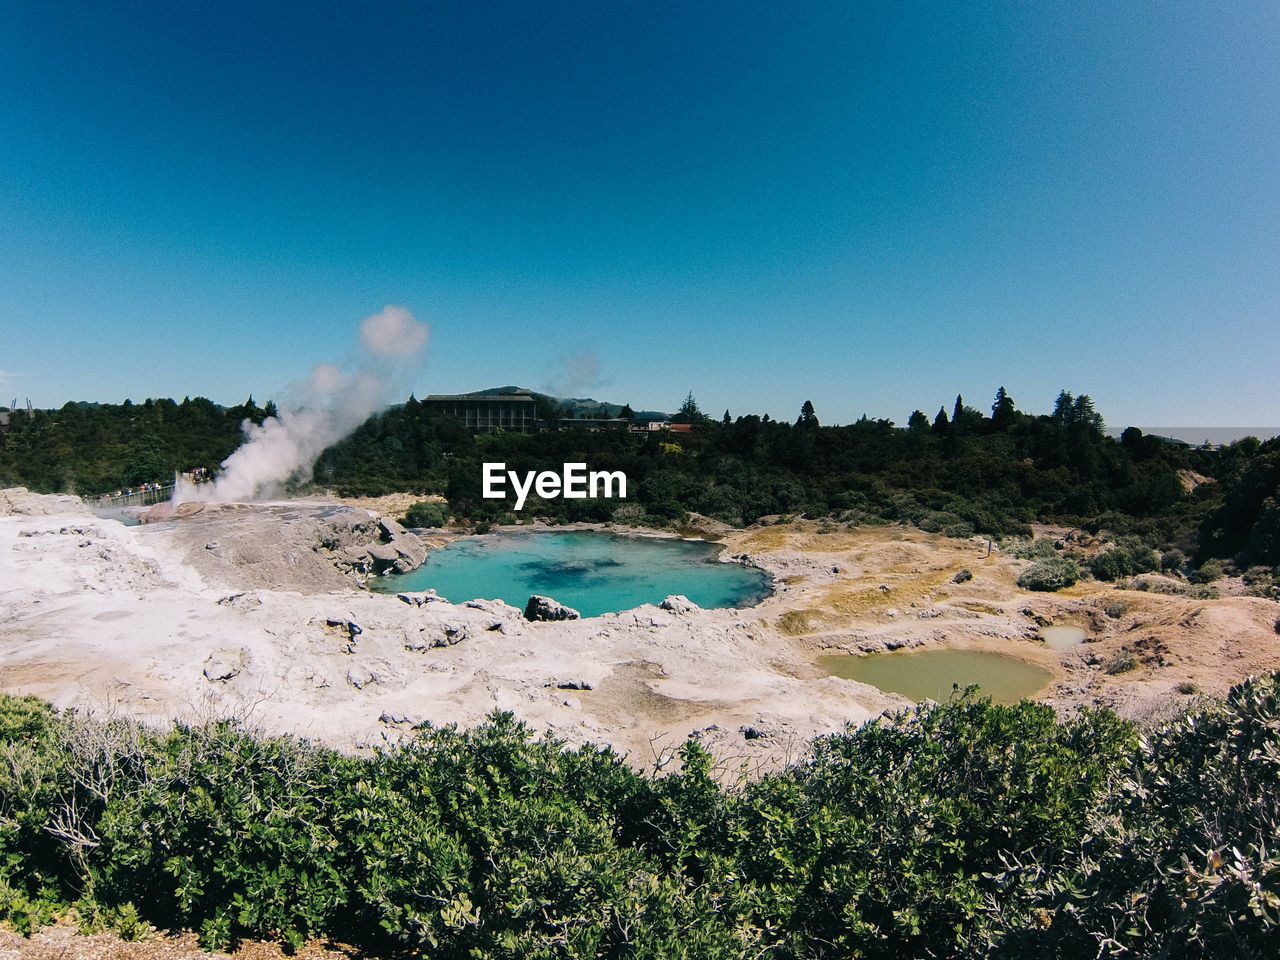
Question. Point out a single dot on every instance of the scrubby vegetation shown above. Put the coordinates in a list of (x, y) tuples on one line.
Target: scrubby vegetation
[(963, 829)]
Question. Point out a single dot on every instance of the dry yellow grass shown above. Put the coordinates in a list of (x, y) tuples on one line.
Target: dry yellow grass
[(795, 623), (848, 601), (771, 538), (979, 607), (828, 543)]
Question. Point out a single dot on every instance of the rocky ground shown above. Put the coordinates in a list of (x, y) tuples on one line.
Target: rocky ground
[(258, 612), (883, 588)]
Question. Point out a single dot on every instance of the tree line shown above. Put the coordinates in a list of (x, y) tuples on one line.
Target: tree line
[(961, 472), (92, 449)]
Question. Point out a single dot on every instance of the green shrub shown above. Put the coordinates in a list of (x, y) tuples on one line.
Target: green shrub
[(949, 525), (1115, 609), (1258, 576), (1182, 861), (1207, 572), (1109, 565), (1200, 591), (1124, 559), (426, 513), (888, 842), (1040, 548), (24, 718), (1170, 588), (1121, 662), (1050, 575), (1261, 582)]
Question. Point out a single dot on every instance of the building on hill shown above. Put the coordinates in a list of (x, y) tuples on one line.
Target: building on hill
[(649, 426), (516, 412)]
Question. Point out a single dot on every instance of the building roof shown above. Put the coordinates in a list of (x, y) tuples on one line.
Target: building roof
[(526, 396)]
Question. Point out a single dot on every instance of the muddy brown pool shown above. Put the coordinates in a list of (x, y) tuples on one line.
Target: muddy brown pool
[(929, 674)]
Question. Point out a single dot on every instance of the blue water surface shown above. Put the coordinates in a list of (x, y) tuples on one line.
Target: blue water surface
[(592, 572)]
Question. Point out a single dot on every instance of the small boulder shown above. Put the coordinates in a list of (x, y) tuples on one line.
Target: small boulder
[(410, 551), (350, 627), (545, 608), (383, 553), (678, 604), (496, 608), (390, 529)]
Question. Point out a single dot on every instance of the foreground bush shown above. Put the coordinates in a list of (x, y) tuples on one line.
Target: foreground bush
[(1181, 859), (885, 842), (965, 829)]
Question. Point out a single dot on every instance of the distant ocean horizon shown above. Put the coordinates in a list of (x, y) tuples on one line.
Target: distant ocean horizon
[(1211, 435)]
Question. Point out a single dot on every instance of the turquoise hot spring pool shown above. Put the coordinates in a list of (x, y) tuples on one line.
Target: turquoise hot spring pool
[(592, 572)]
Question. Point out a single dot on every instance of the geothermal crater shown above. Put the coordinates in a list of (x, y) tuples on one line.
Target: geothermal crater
[(259, 612)]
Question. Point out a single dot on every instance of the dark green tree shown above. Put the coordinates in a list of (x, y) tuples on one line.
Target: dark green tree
[(689, 411), (1085, 417), (1003, 412), (1063, 408)]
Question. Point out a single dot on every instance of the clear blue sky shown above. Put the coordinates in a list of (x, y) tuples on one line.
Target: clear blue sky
[(874, 206)]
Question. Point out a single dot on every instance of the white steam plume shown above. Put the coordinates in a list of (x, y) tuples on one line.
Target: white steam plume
[(575, 374), (318, 412)]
